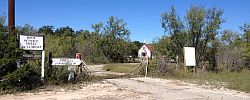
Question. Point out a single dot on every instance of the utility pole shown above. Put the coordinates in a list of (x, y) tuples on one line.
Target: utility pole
[(11, 17)]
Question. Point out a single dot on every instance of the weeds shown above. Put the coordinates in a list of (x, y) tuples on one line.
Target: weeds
[(231, 80), (121, 68)]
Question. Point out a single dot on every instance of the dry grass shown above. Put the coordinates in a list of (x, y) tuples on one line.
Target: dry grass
[(121, 68), (232, 80)]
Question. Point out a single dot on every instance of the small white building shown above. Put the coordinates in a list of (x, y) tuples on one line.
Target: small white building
[(145, 51)]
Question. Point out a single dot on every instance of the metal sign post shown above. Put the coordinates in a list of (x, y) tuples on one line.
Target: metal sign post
[(43, 63)]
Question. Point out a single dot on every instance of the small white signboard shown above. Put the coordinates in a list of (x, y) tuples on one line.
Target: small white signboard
[(189, 56), (66, 61), (31, 42)]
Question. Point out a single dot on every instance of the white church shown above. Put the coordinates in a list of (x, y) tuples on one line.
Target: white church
[(145, 51)]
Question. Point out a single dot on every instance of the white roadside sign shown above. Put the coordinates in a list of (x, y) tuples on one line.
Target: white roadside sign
[(31, 42), (189, 56), (66, 61)]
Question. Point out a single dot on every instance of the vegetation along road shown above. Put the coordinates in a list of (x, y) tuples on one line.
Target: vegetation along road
[(220, 50), (132, 88)]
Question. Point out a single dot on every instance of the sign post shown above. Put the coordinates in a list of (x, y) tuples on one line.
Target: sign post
[(43, 63), (36, 43)]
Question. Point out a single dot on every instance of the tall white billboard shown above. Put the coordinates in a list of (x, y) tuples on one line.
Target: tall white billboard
[(189, 56)]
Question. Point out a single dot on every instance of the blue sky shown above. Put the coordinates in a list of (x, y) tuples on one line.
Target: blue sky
[(142, 16)]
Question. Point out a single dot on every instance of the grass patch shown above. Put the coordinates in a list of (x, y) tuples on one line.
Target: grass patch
[(121, 68), (231, 80)]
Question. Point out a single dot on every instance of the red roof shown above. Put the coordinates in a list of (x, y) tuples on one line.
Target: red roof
[(149, 47)]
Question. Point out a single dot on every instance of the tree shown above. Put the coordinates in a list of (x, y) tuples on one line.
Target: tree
[(46, 29), (115, 39), (246, 36), (88, 45), (97, 28), (200, 32), (28, 30), (60, 46), (9, 53), (172, 23), (165, 47), (246, 29), (2, 35), (67, 31), (230, 51), (213, 22), (196, 22), (133, 49), (62, 43)]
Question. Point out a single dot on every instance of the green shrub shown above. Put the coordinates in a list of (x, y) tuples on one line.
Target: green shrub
[(58, 75), (152, 67), (24, 78)]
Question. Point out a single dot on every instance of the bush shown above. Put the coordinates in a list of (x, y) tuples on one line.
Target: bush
[(58, 75), (24, 78), (161, 67)]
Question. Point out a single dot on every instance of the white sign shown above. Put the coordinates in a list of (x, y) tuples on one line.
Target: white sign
[(66, 61), (31, 42), (189, 56)]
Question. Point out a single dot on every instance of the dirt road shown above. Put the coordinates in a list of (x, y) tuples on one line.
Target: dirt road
[(133, 88)]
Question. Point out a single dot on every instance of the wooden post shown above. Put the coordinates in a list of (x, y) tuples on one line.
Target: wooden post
[(185, 67), (177, 64), (146, 65), (146, 69), (11, 17), (194, 70), (50, 64)]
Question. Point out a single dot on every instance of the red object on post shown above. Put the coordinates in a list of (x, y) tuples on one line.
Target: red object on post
[(78, 56)]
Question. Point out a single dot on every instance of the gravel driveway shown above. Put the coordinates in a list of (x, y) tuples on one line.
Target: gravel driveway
[(140, 88)]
